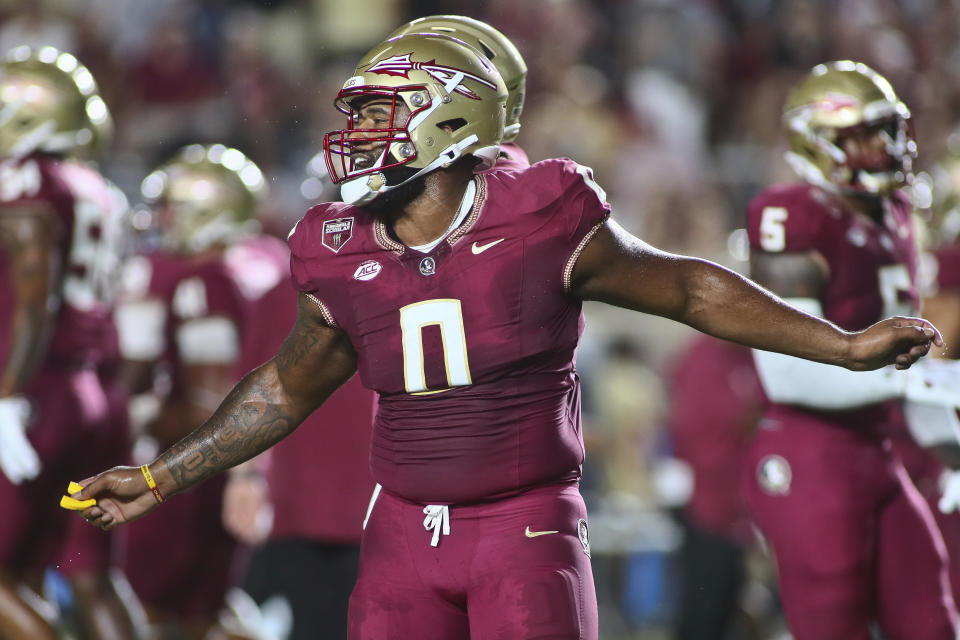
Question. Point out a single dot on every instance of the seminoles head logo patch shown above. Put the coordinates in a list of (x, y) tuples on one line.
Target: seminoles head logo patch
[(774, 475), (583, 532), (337, 233)]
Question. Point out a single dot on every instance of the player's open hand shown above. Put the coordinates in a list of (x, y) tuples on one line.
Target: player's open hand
[(899, 341), (122, 495)]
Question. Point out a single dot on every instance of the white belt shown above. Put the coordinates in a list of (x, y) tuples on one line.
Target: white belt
[(437, 520)]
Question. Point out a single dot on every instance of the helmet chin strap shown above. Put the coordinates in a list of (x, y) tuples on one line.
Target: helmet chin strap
[(364, 189)]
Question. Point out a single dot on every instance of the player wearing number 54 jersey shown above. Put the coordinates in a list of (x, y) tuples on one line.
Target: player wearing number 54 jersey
[(457, 296), (824, 483)]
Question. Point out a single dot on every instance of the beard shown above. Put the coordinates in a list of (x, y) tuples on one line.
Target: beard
[(398, 197)]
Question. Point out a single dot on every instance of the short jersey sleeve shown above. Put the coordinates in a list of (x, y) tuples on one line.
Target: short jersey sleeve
[(783, 219), (303, 240), (584, 207)]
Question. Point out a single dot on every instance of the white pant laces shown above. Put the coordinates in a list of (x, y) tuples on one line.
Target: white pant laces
[(438, 517)]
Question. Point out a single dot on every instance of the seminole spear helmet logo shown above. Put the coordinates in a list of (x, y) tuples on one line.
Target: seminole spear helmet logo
[(400, 66)]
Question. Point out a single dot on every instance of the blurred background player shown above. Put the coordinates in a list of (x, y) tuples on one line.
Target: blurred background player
[(180, 318), (60, 232), (279, 501), (715, 403), (822, 480), (504, 55)]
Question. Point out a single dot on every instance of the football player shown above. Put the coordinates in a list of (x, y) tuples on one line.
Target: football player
[(457, 295), (180, 317), (824, 483), (715, 403), (59, 220), (504, 55)]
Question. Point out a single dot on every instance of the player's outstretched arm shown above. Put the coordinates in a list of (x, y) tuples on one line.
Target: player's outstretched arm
[(264, 407), (619, 269)]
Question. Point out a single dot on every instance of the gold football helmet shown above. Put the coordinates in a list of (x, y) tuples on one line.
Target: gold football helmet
[(945, 205), (49, 102), (491, 43), (205, 195), (844, 98), (456, 103)]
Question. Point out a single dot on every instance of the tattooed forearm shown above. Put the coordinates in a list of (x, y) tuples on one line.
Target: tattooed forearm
[(268, 403), (254, 416)]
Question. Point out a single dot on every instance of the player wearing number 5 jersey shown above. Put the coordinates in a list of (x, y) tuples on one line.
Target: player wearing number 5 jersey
[(823, 482), (458, 296)]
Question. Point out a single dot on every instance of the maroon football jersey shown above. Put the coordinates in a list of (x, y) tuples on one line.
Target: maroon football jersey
[(190, 288), (715, 401), (471, 345), (340, 428), (872, 266), (85, 209)]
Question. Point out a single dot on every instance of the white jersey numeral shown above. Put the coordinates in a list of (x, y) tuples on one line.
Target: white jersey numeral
[(447, 314), (81, 286), (190, 299), (773, 235), (895, 286)]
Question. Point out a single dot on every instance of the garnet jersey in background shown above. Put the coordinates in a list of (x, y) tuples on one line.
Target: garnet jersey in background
[(83, 206), (185, 288), (826, 487), (471, 345), (872, 267), (715, 400)]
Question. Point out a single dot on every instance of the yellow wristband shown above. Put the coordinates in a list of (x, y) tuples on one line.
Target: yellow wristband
[(145, 470)]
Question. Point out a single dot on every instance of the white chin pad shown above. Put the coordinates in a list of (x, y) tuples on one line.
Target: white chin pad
[(358, 191)]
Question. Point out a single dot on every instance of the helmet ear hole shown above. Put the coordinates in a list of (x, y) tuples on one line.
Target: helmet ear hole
[(452, 124)]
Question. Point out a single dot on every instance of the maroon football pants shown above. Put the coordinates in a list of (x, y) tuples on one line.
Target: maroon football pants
[(515, 568), (854, 541)]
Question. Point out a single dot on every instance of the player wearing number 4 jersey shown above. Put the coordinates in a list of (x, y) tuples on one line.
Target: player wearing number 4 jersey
[(458, 297), (824, 483)]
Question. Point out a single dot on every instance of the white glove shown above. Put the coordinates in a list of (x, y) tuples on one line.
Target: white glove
[(18, 460), (950, 492)]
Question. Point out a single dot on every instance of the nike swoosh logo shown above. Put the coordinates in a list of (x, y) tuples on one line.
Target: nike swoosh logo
[(480, 248), (534, 534)]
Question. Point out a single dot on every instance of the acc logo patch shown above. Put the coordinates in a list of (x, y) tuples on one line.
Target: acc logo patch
[(367, 270), (583, 532), (337, 233), (774, 475)]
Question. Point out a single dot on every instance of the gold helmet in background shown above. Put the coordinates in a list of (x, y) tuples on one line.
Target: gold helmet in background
[(838, 99), (945, 201), (49, 103), (497, 48), (204, 196), (456, 99)]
